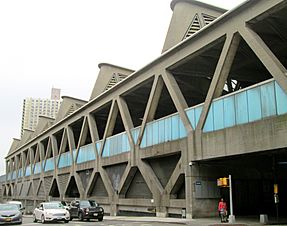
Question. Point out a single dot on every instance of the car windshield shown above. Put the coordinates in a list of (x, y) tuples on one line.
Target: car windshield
[(55, 205), (17, 204), (88, 203), (4, 207)]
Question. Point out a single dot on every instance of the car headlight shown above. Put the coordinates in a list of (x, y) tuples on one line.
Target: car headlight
[(18, 214)]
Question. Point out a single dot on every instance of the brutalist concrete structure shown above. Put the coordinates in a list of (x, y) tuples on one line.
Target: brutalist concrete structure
[(154, 141)]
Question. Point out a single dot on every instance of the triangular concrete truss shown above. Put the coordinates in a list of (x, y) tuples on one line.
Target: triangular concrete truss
[(196, 71)]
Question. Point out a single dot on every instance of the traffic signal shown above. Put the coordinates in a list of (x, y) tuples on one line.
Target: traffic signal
[(223, 182)]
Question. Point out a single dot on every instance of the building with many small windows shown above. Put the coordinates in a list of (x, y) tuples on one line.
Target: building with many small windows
[(35, 107)]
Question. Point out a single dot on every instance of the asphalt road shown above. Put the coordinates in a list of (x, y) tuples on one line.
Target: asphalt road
[(75, 222)]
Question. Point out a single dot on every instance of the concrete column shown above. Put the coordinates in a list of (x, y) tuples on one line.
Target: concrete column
[(110, 124), (152, 103), (177, 98), (31, 155), (128, 124), (189, 180), (83, 133), (126, 179), (114, 209), (93, 128), (79, 184), (220, 75), (111, 120), (161, 211), (71, 139), (265, 55)]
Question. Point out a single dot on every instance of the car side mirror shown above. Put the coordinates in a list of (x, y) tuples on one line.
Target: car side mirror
[(22, 208)]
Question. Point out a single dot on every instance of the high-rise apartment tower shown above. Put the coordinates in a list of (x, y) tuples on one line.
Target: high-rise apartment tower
[(34, 107)]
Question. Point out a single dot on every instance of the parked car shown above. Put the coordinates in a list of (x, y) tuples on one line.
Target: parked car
[(10, 213), (51, 211), (86, 209), (19, 204)]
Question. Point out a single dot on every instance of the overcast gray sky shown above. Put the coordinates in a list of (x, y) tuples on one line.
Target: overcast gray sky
[(59, 43)]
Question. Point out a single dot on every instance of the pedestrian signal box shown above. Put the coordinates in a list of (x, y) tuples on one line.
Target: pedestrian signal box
[(223, 182)]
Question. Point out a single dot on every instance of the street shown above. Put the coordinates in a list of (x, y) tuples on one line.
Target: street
[(75, 222)]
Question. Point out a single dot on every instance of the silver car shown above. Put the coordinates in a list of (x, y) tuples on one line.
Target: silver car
[(10, 213)]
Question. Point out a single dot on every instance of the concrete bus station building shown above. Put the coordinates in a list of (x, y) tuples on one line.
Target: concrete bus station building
[(154, 141)]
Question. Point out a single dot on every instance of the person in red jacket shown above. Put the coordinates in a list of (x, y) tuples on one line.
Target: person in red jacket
[(222, 210)]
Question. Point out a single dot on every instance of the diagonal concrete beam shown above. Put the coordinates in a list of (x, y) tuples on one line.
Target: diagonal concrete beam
[(111, 119), (110, 124), (64, 142), (36, 154), (24, 159), (152, 104), (174, 176), (177, 98), (71, 139), (128, 124), (31, 155), (220, 75), (42, 151), (54, 146), (90, 183), (265, 55), (151, 179), (93, 128), (83, 133), (126, 117), (126, 179), (79, 183), (107, 182), (49, 149)]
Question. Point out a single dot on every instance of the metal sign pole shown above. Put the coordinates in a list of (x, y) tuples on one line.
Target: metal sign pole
[(231, 216)]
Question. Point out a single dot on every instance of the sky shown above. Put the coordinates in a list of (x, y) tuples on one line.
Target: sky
[(59, 43)]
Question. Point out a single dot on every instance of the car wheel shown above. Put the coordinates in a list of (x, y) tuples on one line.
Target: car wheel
[(71, 218), (66, 221), (100, 219), (81, 217), (34, 218), (43, 219)]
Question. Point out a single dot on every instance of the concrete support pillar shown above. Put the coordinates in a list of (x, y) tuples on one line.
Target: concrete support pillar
[(128, 124), (177, 98), (265, 55), (81, 188), (189, 191), (161, 211), (93, 128), (111, 120), (114, 209), (152, 103), (220, 75)]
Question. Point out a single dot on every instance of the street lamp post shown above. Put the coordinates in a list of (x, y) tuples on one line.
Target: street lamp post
[(231, 218)]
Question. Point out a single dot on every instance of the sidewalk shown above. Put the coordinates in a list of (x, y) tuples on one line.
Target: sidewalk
[(240, 221), (191, 222)]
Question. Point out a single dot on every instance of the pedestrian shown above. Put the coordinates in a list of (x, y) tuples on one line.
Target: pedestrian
[(222, 210)]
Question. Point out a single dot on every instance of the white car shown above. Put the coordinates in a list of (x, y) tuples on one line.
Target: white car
[(51, 211)]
